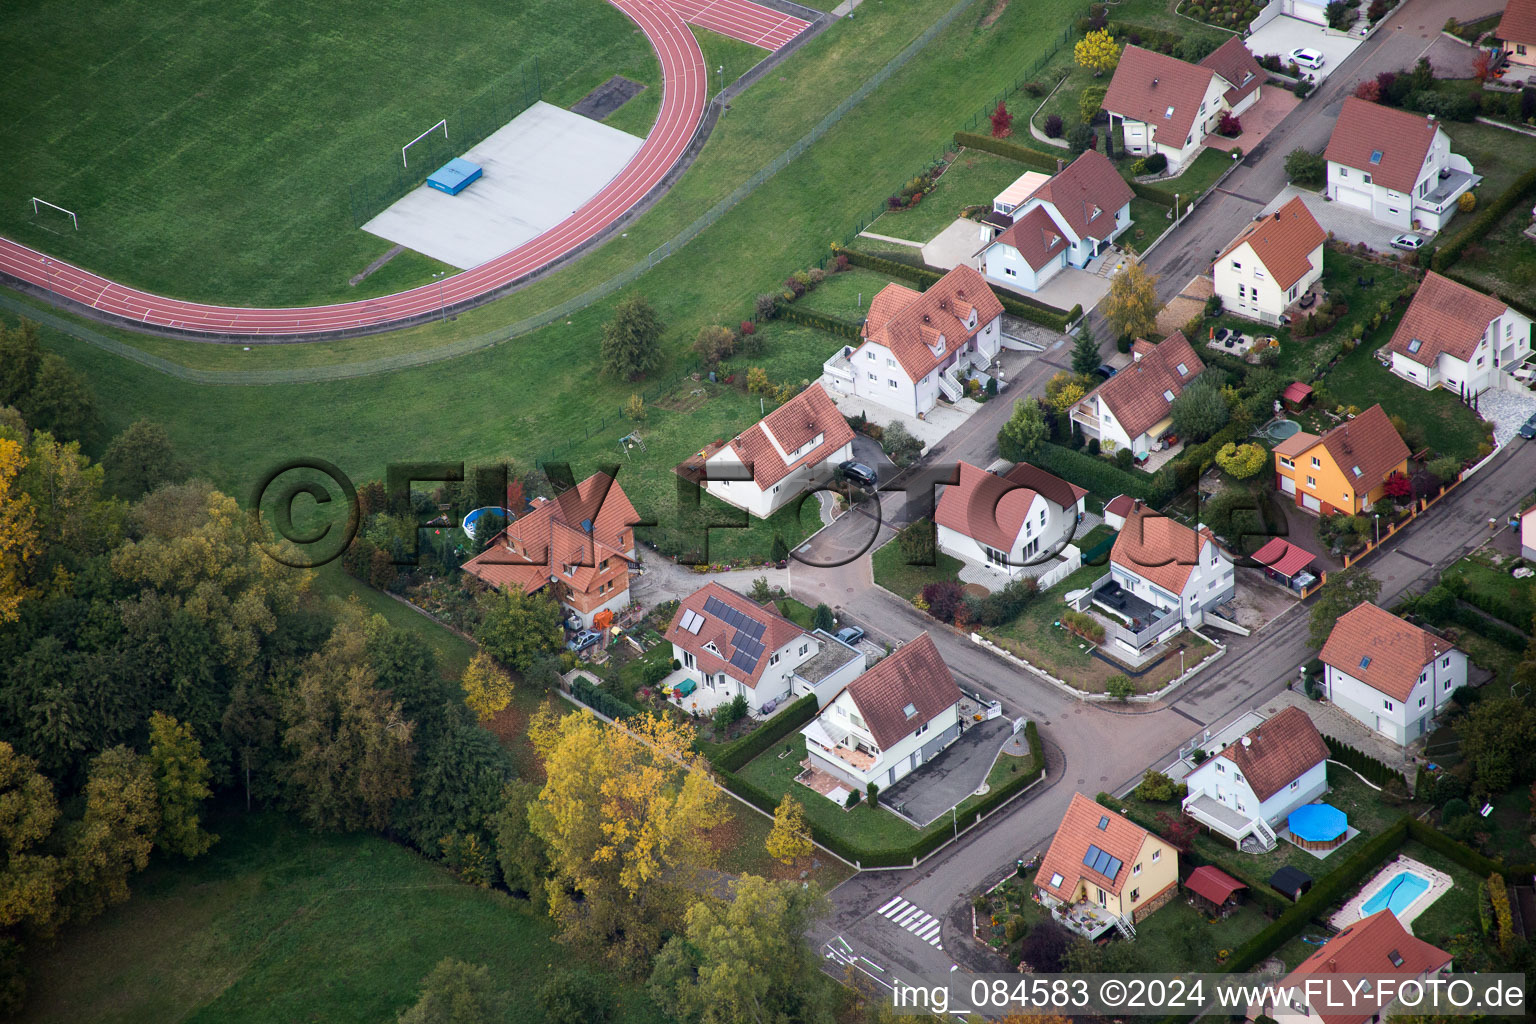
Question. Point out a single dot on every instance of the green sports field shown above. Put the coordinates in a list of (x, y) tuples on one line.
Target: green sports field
[(207, 147)]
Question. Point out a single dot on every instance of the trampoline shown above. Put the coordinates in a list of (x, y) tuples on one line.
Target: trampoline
[(1279, 430), (1318, 826), (469, 521)]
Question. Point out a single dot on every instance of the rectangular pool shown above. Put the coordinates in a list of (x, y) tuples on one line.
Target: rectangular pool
[(1397, 894)]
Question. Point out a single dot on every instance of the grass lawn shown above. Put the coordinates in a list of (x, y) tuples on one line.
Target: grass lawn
[(277, 924), (847, 295), (1178, 937), (794, 611), (1148, 222), (1035, 637), (182, 133), (893, 573), (1499, 585), (1198, 175), (1453, 913), (1504, 261), (973, 179), (1498, 154), (453, 651)]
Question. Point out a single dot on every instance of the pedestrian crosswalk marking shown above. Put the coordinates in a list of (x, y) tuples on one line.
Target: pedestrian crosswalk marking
[(914, 919)]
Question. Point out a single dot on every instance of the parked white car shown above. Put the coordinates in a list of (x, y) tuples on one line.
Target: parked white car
[(1307, 57)]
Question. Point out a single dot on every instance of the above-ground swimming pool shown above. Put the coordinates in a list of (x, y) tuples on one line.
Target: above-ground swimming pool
[(1318, 826), (1397, 895), (469, 520)]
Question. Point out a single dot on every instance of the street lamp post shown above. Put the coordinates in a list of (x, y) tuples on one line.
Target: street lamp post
[(1175, 207), (720, 77), (954, 819), (1376, 517), (442, 302)]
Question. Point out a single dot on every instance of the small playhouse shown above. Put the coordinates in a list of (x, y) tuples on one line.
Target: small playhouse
[(1213, 891)]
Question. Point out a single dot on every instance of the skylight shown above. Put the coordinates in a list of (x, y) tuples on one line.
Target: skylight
[(1365, 662), (1183, 370), (1167, 396), (1375, 156), (1168, 112), (910, 710), (1414, 345), (1103, 823), (1056, 880), (1396, 958), (1356, 470)]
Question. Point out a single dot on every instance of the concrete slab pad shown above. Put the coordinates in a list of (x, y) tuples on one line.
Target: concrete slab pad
[(953, 246), (1285, 34), (1345, 224), (539, 169)]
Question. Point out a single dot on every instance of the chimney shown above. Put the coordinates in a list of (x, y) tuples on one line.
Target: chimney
[(1060, 163), (1332, 966), (1154, 81), (1136, 505)]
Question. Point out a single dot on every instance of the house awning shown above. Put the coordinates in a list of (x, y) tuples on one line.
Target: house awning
[(1283, 557), (818, 734), (1212, 883), (1297, 392)]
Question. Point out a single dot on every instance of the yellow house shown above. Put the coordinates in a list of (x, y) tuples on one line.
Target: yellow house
[(1346, 469), (1103, 871)]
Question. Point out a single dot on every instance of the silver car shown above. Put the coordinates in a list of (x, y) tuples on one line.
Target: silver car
[(1411, 243)]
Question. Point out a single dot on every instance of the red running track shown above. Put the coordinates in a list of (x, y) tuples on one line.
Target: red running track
[(685, 83)]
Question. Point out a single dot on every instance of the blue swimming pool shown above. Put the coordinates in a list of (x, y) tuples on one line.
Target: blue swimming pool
[(503, 516), (1400, 891)]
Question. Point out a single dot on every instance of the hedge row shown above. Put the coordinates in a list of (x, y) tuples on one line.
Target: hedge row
[(735, 755), (1103, 478), (1482, 224), (1026, 309), (811, 318), (927, 842), (1466, 618), (1464, 855), (1377, 771), (600, 700), (1494, 605), (1012, 150)]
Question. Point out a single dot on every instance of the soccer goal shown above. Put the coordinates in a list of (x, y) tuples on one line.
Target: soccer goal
[(68, 213), (443, 124)]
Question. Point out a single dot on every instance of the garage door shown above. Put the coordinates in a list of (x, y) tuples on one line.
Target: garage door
[(1354, 197), (1288, 485), (1307, 501)]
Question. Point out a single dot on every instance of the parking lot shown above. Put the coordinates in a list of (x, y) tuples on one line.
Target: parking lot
[(1284, 34)]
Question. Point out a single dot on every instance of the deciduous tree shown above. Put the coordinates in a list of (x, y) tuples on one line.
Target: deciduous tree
[(1241, 461), (524, 865), (181, 776), (140, 459), (1065, 390), (790, 838), (1025, 432), (1131, 304), (1097, 51), (29, 877), (1345, 590), (1200, 410), (625, 814), (632, 339), (18, 530), (487, 686), (456, 993), (713, 344), (575, 997), (1002, 121), (516, 627), (917, 542), (114, 837)]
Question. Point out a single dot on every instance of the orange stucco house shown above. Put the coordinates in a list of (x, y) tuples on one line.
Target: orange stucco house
[(1345, 469)]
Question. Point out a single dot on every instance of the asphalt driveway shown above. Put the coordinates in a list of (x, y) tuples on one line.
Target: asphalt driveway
[(952, 776)]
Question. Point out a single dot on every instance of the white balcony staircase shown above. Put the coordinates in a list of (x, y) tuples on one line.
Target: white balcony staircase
[(1126, 927), (949, 384), (1262, 839)]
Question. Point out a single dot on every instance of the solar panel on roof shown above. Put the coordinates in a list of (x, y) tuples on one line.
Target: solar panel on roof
[(744, 661), (692, 620), (1113, 869), (1091, 856)]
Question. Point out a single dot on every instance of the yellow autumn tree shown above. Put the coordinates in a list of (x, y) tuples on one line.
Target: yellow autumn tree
[(1097, 51), (1065, 390), (1241, 460), (625, 815), (18, 530), (1131, 305), (487, 686), (790, 838)]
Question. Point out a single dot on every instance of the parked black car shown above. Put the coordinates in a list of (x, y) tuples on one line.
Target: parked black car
[(859, 473)]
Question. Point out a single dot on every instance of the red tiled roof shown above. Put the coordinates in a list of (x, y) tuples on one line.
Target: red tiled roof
[(1135, 394), (1368, 442), (1297, 443), (1120, 838), (1444, 317), (579, 528), (1087, 193), (1519, 22), (1393, 651), (913, 676), (991, 508), (1296, 391), (795, 423), (1120, 505), (1233, 61), (1283, 241), (1161, 550), (910, 325), (1036, 236), (1283, 557), (1274, 754), (1163, 91), (777, 632), (1401, 137), (1212, 883), (1378, 945)]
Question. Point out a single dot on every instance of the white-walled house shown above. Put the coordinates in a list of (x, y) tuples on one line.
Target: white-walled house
[(1008, 521), (1254, 783), (898, 715), (1456, 338), (793, 449), (1067, 221), (1396, 166), (1169, 106), (1388, 674), (728, 644), (916, 343), (1271, 263), (1133, 408)]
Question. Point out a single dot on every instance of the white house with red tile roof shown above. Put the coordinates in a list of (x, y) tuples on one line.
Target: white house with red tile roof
[(1103, 871), (730, 645), (581, 543), (915, 343), (1271, 263), (1167, 105), (1067, 221), (1255, 782), (1008, 521), (1389, 674), (1163, 577), (1396, 166), (1456, 338), (1517, 31), (900, 714), (1377, 946), (1133, 409), (793, 449), (1528, 534)]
